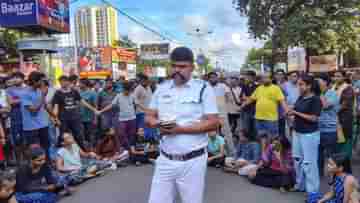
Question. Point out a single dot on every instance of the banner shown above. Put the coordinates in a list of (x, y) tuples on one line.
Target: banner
[(123, 55), (158, 51), (18, 13), (94, 59), (296, 59), (52, 15), (323, 63)]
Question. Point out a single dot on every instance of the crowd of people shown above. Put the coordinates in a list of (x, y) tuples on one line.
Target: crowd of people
[(279, 131)]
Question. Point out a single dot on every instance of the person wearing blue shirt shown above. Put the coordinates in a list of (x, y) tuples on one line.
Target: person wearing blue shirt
[(34, 115), (216, 150), (185, 110), (291, 88), (327, 120)]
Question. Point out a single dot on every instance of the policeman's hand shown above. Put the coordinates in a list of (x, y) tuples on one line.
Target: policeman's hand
[(51, 188), (170, 131)]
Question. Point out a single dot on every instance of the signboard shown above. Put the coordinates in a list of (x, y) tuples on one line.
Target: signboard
[(201, 60), (15, 13), (158, 51), (323, 63), (53, 15), (131, 71), (95, 59), (296, 59), (123, 55), (95, 74)]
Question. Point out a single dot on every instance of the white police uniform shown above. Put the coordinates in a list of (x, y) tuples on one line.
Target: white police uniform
[(187, 177)]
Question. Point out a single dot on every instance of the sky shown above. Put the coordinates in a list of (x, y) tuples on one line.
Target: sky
[(178, 19)]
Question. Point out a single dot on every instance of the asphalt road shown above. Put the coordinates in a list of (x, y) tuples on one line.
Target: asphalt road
[(132, 185)]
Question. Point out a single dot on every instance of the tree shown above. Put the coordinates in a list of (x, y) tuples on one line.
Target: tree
[(321, 26), (9, 39)]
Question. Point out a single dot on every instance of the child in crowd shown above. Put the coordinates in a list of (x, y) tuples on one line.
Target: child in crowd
[(344, 187), (141, 150), (80, 165), (276, 168), (7, 187), (216, 150), (247, 156)]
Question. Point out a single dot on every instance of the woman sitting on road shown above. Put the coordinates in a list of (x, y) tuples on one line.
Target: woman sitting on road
[(276, 167), (343, 186), (73, 161)]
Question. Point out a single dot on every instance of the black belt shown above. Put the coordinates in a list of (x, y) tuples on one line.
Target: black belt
[(184, 157)]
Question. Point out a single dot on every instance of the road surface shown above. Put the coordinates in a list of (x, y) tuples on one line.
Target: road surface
[(132, 185)]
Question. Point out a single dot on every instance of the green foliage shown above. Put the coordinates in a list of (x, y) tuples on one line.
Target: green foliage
[(321, 25)]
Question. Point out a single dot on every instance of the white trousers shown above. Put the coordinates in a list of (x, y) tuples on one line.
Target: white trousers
[(186, 177)]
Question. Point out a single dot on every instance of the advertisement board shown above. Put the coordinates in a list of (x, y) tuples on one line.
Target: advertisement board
[(159, 51), (15, 13), (123, 55), (94, 59), (54, 15), (51, 15), (296, 59), (323, 63)]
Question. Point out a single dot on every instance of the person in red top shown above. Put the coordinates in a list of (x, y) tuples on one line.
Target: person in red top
[(276, 168)]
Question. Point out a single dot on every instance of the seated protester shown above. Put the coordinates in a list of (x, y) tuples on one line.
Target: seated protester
[(142, 152), (108, 148), (344, 187), (72, 160), (216, 150), (35, 182), (247, 157), (276, 167), (7, 187)]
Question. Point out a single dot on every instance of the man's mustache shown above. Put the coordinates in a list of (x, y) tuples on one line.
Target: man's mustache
[(179, 74)]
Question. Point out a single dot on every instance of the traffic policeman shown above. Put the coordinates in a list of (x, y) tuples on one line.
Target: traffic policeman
[(185, 110)]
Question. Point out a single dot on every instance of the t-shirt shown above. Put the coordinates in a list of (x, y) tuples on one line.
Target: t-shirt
[(267, 101), (69, 104), (292, 93), (215, 144), (37, 120), (220, 91), (328, 116), (26, 181), (311, 106), (90, 97), (71, 157), (142, 96), (248, 90), (235, 100), (126, 106)]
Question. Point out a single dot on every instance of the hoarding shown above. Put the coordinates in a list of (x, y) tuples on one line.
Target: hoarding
[(54, 15), (158, 51), (94, 59), (15, 13), (51, 15), (123, 55), (323, 63), (296, 59)]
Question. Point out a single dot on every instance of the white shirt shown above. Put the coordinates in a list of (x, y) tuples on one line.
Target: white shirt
[(183, 105), (142, 96), (126, 106)]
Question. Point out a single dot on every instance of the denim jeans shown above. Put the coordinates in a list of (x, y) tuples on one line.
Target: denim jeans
[(327, 148), (305, 153)]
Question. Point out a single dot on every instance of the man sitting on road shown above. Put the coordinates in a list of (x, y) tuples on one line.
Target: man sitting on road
[(216, 150)]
